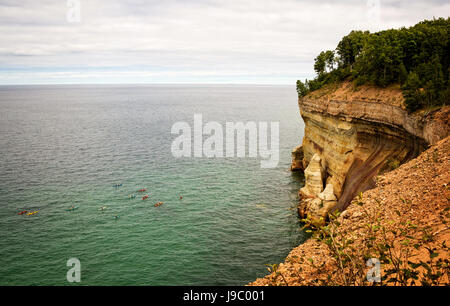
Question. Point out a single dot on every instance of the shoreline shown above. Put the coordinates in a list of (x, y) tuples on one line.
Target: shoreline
[(424, 206)]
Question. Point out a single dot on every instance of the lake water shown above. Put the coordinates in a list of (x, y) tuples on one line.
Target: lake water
[(69, 145)]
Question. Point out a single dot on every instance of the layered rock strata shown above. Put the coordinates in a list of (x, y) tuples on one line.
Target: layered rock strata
[(348, 142)]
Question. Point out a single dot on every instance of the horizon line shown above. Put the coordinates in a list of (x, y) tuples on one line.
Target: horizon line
[(156, 83)]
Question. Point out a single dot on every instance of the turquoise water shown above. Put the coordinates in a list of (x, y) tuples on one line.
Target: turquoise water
[(69, 145)]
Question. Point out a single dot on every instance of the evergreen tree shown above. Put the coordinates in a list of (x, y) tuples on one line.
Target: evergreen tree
[(319, 63), (412, 91), (302, 89), (417, 58)]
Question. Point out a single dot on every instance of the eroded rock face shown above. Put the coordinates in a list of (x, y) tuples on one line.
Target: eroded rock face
[(353, 149), (329, 201), (297, 159), (348, 142), (327, 195), (317, 208), (313, 178)]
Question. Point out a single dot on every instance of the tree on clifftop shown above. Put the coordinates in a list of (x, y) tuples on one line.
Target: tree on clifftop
[(417, 58)]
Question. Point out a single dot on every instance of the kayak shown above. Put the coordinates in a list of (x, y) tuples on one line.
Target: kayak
[(117, 185), (142, 190), (145, 197), (72, 208), (23, 212), (131, 196), (159, 204), (32, 213)]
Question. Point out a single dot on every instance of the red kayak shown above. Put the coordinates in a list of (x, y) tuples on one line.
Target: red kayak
[(23, 212), (145, 197), (142, 190)]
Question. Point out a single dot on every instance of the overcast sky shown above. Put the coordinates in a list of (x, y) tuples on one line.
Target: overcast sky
[(175, 41)]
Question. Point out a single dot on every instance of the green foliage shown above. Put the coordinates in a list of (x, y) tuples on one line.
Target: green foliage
[(392, 164), (417, 58), (412, 91), (319, 64), (324, 61), (302, 89), (273, 268), (350, 47)]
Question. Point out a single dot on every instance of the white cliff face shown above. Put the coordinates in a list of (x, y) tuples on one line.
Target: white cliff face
[(317, 209), (313, 178), (329, 200), (327, 195), (316, 202)]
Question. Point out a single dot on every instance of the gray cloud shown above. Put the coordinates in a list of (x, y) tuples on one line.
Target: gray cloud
[(264, 40)]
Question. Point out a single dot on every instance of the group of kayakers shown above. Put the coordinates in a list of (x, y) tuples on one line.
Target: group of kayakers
[(102, 208), (27, 213)]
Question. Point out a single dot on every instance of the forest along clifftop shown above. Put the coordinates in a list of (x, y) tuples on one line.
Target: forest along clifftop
[(377, 102), (351, 135)]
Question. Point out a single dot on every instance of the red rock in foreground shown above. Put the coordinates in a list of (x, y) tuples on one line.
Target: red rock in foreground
[(412, 201)]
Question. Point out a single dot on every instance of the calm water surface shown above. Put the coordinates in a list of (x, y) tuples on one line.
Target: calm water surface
[(68, 145)]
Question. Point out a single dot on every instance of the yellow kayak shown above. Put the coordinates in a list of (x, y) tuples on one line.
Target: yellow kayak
[(32, 213)]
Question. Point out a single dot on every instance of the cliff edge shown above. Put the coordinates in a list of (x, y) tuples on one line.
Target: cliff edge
[(403, 222), (352, 135)]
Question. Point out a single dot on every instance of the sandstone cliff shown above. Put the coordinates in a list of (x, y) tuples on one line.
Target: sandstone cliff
[(353, 134), (412, 206)]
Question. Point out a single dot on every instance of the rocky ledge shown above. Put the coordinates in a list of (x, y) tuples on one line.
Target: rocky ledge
[(412, 206), (353, 135)]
